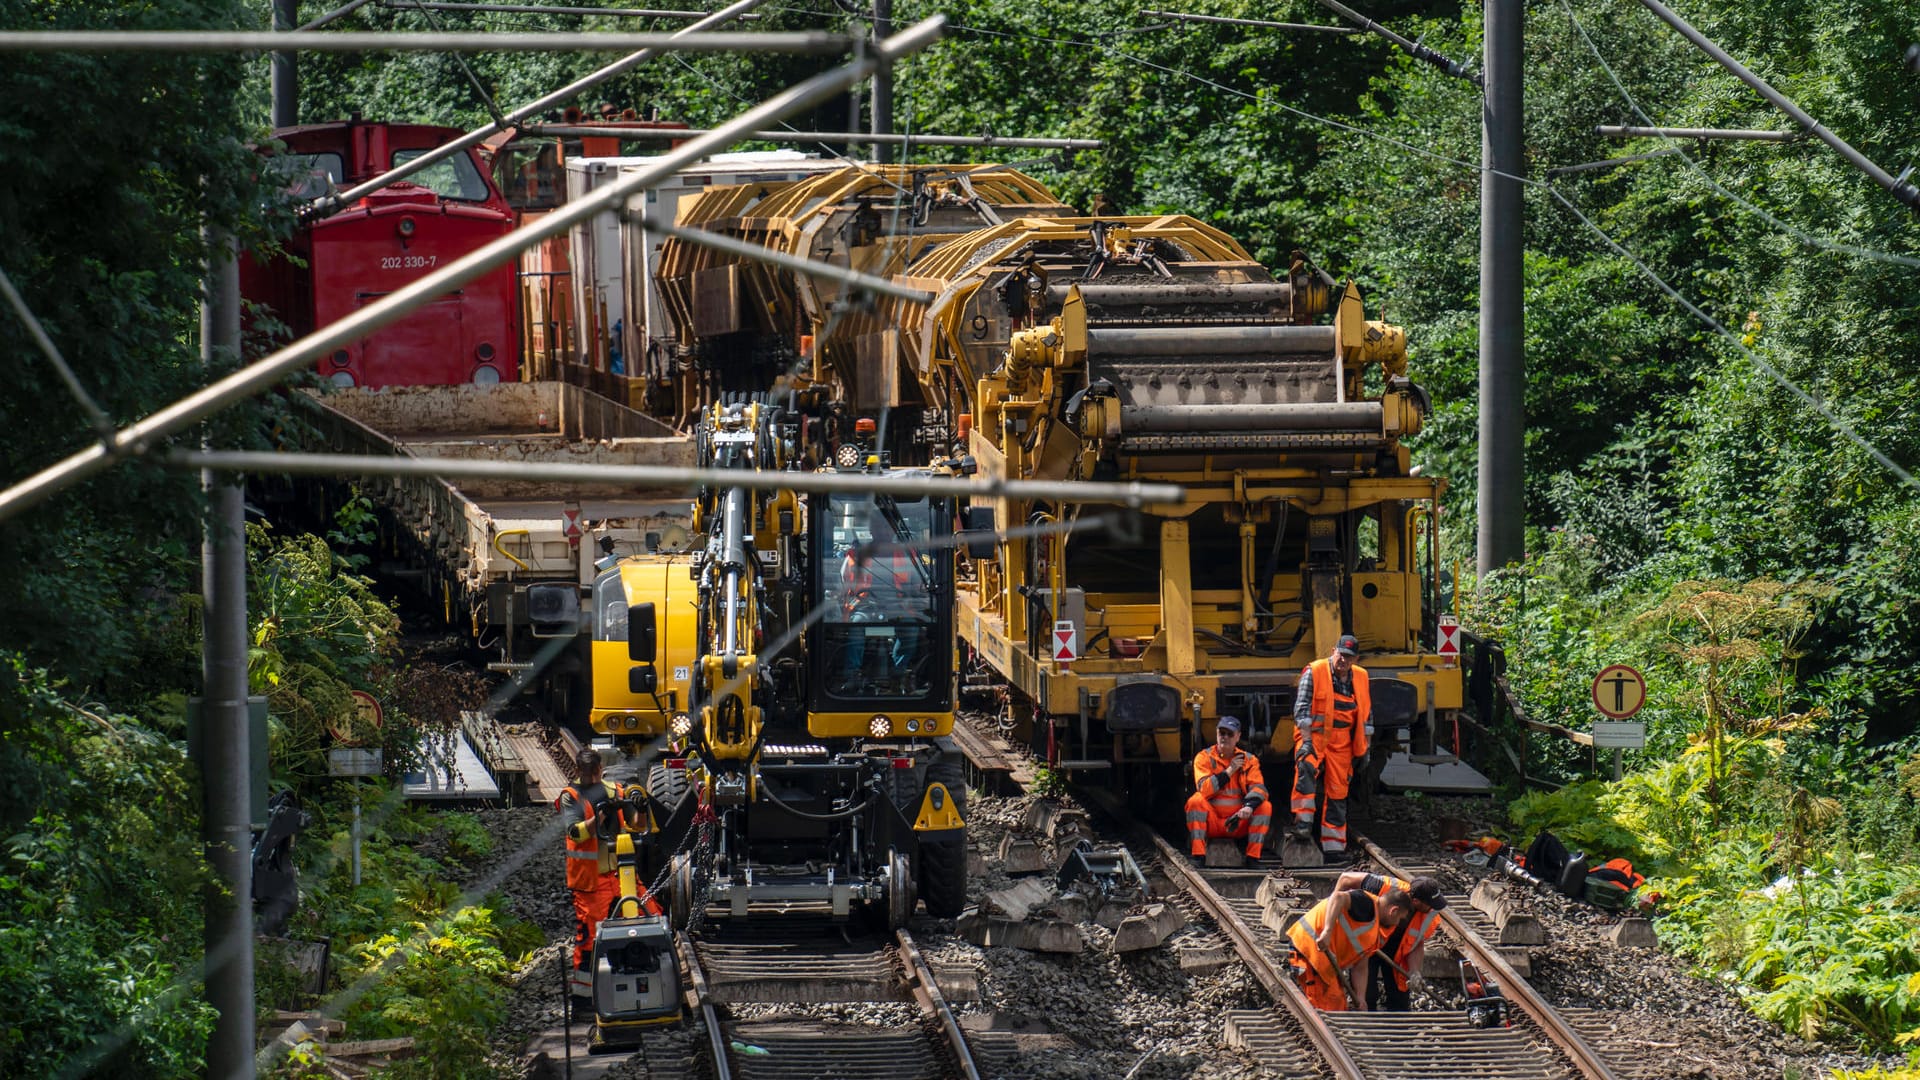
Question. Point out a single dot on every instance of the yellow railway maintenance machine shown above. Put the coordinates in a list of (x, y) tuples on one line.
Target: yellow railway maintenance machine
[(1156, 349), (813, 760)]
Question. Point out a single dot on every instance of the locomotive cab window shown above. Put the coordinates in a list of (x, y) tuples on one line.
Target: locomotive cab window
[(450, 178), (308, 176)]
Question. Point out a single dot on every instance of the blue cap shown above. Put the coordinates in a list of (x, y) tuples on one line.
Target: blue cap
[(1230, 723)]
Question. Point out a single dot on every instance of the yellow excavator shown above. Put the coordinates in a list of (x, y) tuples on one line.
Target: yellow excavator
[(812, 758)]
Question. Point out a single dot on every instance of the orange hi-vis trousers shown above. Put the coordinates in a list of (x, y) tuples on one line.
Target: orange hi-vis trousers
[(1207, 819), (589, 908)]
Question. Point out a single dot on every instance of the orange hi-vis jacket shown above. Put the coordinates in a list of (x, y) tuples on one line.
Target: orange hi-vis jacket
[(887, 578), (1227, 792), (1419, 929), (586, 861), (1352, 941), (1346, 717)]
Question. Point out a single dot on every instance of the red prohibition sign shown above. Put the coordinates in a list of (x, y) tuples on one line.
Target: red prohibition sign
[(1619, 691)]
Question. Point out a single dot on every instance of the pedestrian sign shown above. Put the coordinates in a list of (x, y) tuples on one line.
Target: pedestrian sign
[(1066, 641), (1619, 691), (1449, 645)]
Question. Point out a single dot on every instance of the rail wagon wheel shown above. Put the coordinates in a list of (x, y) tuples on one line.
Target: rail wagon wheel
[(680, 892), (943, 856), (900, 893)]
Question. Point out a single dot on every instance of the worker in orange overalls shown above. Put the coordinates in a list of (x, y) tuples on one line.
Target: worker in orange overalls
[(1394, 971), (1230, 794), (593, 875), (1332, 724), (1331, 940)]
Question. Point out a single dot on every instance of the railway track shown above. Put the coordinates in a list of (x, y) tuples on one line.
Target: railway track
[(1292, 1038), (807, 960)]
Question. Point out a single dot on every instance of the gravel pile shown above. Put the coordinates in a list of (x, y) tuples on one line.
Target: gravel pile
[(1693, 1027)]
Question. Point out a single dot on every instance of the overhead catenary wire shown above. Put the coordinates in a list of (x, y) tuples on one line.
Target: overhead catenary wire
[(1838, 425), (1679, 151), (1897, 185), (665, 134), (258, 376), (533, 108), (1263, 24), (102, 423), (547, 9), (353, 41)]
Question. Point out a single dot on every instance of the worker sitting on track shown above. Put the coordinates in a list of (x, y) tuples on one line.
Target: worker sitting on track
[(1393, 973), (1230, 794), (1332, 722), (1332, 939), (592, 874)]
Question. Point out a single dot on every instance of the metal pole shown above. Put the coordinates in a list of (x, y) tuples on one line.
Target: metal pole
[(1456, 68), (546, 9), (1630, 131), (674, 477), (347, 41), (882, 121), (356, 832), (1502, 537), (1902, 190), (532, 108), (666, 134), (258, 376), (1616, 762), (284, 69), (226, 816)]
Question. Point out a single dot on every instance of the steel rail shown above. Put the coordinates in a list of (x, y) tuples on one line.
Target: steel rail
[(1127, 493), (660, 134), (268, 371), (1277, 983), (532, 108), (348, 41), (700, 999), (1591, 1065), (927, 992)]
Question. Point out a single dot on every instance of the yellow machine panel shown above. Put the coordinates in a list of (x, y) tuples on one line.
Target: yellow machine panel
[(663, 581)]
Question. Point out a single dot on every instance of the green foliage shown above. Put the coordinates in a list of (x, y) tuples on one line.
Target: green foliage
[(442, 983), (100, 890), (113, 164), (1048, 783)]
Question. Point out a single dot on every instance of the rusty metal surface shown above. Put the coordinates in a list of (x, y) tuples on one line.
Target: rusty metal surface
[(1443, 1046), (926, 990)]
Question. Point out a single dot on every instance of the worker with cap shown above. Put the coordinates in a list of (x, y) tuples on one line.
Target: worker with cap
[(1332, 725), (1230, 796), (1394, 972), (1334, 938)]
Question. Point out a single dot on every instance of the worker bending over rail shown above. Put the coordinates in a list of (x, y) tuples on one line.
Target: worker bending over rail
[(1332, 723), (1393, 973), (1332, 939), (1230, 794)]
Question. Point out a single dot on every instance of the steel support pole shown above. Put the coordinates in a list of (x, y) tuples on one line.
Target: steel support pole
[(882, 122), (226, 815), (1502, 536), (285, 70)]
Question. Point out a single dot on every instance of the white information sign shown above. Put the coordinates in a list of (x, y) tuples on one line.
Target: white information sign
[(1619, 734)]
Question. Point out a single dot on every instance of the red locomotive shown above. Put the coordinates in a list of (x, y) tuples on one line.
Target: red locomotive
[(386, 241)]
